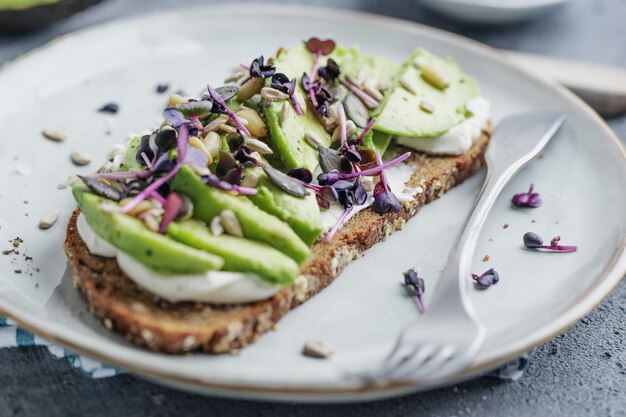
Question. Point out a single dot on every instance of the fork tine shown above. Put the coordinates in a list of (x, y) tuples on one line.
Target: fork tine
[(421, 356), (431, 365), (396, 358), (450, 367)]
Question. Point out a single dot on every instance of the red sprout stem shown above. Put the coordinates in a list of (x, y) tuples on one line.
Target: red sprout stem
[(196, 123), (230, 113), (365, 131), (560, 248), (244, 66), (244, 190), (145, 158), (377, 169), (368, 100), (158, 197), (342, 125), (419, 294), (379, 161), (337, 225), (150, 188), (316, 65), (295, 104)]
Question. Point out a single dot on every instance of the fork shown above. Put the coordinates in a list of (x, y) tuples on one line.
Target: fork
[(446, 338)]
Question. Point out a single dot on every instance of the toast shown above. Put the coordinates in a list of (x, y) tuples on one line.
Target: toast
[(177, 328)]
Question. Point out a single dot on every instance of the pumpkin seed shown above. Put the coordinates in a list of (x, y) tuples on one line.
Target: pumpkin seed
[(54, 135), (356, 110), (285, 182), (49, 220), (80, 158), (101, 188), (227, 92), (230, 223)]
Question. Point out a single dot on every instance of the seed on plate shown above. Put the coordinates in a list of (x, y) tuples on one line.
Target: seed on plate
[(250, 88), (231, 223), (284, 113), (215, 124), (213, 143), (162, 88), (257, 145), (434, 77), (371, 88), (313, 140), (198, 144), (49, 220), (317, 349), (256, 126), (175, 99), (54, 135), (216, 226), (80, 158), (408, 85), (111, 108), (272, 94), (427, 106)]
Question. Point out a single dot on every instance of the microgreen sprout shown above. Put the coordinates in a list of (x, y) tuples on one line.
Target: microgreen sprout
[(172, 206), (319, 48), (384, 199), (365, 131), (218, 99), (486, 279), (338, 224), (259, 69), (282, 83), (529, 199), (368, 100), (534, 241), (416, 286)]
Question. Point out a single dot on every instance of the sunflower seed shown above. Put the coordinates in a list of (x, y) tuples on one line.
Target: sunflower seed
[(150, 221), (257, 145), (272, 94), (49, 221), (227, 129), (353, 80), (216, 226), (420, 62), (350, 130), (175, 99), (408, 85), (317, 349), (284, 113), (371, 88), (54, 135), (215, 124), (213, 143), (313, 140), (250, 179), (80, 158), (384, 85), (427, 106), (230, 223), (434, 77)]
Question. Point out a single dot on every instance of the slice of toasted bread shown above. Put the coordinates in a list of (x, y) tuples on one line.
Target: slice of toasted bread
[(183, 327)]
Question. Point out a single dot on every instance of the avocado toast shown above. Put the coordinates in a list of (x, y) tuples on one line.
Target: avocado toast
[(250, 199)]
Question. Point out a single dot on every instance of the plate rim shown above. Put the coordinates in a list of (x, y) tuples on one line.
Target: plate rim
[(586, 302)]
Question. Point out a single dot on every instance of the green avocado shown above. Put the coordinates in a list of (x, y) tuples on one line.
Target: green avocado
[(131, 236), (288, 136), (240, 255), (256, 224), (400, 112), (130, 163), (301, 213)]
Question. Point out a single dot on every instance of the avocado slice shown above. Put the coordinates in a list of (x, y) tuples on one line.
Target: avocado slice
[(256, 224), (130, 162), (301, 213), (240, 255), (400, 112), (131, 236), (288, 137)]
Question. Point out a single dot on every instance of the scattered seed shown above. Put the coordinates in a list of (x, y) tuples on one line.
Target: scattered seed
[(111, 108), (350, 130), (284, 113), (216, 123), (356, 111), (314, 140), (486, 258), (198, 144), (434, 77), (227, 129), (18, 271), (250, 179), (255, 124), (427, 106), (257, 145), (541, 155), (150, 221), (231, 223), (272, 94), (250, 88), (505, 226), (162, 88), (216, 226), (533, 221), (354, 80), (54, 135), (108, 323), (371, 88), (49, 220), (80, 158), (384, 85), (420, 62), (213, 143), (175, 99), (317, 349), (408, 85)]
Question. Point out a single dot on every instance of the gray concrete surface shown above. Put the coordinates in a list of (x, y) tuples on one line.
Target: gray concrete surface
[(580, 373)]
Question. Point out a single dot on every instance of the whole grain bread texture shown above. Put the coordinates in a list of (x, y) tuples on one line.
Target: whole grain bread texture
[(182, 327)]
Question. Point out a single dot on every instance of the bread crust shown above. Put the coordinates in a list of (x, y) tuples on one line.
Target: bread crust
[(182, 327)]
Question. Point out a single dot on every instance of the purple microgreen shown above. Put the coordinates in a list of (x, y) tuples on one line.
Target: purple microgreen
[(259, 69), (486, 279), (416, 286), (147, 145), (175, 117), (529, 199), (164, 163), (244, 155), (380, 167), (214, 181), (111, 108), (342, 125), (158, 197), (366, 130), (288, 184), (234, 175), (244, 190), (225, 163), (384, 199), (301, 174), (360, 195), (166, 139), (282, 83), (330, 72), (101, 188), (195, 158), (337, 225), (182, 143), (318, 46), (329, 178), (217, 99), (171, 208), (534, 241), (146, 160), (352, 154), (368, 100)]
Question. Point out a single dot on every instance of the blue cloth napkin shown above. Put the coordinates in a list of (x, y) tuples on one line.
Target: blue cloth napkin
[(12, 335)]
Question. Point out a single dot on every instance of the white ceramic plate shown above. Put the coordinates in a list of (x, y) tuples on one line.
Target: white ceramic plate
[(581, 179), (492, 11)]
